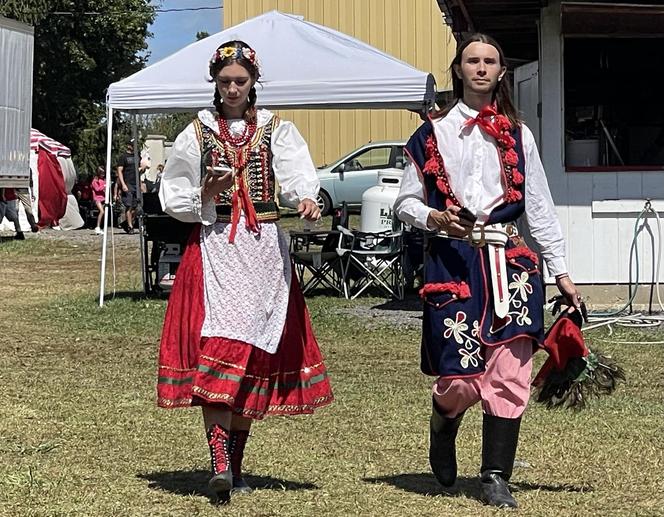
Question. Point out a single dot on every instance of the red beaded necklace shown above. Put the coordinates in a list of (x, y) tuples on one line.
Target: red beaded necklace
[(236, 141)]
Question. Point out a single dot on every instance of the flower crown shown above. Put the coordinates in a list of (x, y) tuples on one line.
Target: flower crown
[(235, 53)]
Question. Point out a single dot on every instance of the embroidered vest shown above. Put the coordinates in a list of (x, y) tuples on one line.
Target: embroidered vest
[(459, 320), (258, 175)]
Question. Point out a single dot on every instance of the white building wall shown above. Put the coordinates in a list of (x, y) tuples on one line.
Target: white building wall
[(598, 241)]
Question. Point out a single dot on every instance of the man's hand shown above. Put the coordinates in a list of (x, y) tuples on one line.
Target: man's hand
[(125, 188), (448, 221), (568, 290), (216, 183), (308, 209)]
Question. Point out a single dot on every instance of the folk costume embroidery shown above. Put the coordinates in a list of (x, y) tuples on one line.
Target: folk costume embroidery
[(497, 126), (234, 334), (249, 156), (459, 320)]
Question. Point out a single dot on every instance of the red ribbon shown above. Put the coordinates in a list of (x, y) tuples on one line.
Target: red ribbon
[(242, 201), (484, 119)]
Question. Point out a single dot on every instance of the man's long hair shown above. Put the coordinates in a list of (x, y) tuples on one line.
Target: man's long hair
[(502, 95)]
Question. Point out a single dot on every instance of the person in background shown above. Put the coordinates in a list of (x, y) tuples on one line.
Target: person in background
[(26, 198), (8, 210), (98, 186), (127, 185), (157, 180), (82, 191)]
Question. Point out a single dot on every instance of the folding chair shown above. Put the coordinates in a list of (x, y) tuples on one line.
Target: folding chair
[(315, 257), (371, 260)]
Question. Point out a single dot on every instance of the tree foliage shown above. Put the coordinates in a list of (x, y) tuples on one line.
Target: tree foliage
[(77, 55)]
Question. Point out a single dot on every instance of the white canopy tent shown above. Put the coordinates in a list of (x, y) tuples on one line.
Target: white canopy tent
[(303, 65)]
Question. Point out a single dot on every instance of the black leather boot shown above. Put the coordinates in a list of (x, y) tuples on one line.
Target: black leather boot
[(238, 440), (222, 478), (442, 448), (499, 440)]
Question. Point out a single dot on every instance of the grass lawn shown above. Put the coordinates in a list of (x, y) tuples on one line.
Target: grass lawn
[(80, 433)]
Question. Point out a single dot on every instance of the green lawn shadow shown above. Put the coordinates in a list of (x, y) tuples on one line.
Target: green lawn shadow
[(425, 483)]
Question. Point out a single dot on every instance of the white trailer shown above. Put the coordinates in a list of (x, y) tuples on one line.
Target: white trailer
[(16, 57)]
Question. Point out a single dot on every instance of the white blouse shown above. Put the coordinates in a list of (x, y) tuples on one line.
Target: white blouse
[(180, 190), (473, 167)]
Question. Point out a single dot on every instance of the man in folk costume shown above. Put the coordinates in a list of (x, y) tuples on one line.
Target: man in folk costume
[(237, 339), (475, 170)]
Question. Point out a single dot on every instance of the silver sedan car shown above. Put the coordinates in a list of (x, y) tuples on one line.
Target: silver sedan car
[(347, 178)]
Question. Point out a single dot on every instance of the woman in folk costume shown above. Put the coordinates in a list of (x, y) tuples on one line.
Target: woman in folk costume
[(475, 170), (237, 339)]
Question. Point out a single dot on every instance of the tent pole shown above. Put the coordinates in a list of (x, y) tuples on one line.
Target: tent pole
[(139, 199), (107, 201)]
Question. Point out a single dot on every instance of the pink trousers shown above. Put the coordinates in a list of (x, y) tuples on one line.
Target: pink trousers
[(503, 388)]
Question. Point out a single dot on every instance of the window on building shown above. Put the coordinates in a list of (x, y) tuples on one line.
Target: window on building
[(614, 107)]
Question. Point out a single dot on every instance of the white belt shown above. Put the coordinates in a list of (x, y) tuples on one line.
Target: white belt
[(494, 237)]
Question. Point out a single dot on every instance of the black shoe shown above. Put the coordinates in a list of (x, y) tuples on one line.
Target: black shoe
[(494, 491), (221, 482), (34, 228), (442, 448), (19, 236), (240, 486)]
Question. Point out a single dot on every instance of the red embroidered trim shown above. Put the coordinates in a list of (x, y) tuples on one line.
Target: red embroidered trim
[(522, 251), (436, 166), (460, 289), (509, 158), (500, 129)]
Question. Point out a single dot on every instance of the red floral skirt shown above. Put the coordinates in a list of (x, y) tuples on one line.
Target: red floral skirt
[(195, 370)]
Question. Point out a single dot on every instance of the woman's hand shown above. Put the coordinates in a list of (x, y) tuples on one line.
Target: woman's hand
[(568, 290), (216, 183), (449, 222), (308, 209)]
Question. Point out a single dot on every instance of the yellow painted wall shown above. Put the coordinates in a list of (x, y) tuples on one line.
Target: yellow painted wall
[(412, 30)]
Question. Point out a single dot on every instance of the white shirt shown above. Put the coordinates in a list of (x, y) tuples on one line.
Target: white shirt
[(180, 189), (472, 164)]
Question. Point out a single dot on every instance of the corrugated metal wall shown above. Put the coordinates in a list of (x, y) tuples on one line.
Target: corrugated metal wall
[(411, 30)]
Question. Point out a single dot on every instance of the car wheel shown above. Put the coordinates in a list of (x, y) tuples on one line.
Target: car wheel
[(324, 202)]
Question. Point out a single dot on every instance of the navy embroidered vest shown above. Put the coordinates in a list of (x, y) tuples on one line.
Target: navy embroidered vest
[(459, 321)]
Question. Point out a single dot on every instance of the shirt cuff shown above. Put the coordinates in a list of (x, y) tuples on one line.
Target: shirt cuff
[(422, 217), (309, 195), (556, 266)]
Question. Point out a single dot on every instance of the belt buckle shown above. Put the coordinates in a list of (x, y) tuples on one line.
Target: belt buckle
[(481, 242)]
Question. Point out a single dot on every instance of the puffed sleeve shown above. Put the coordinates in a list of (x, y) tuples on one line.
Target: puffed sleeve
[(180, 189), (409, 205), (292, 165), (540, 212)]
